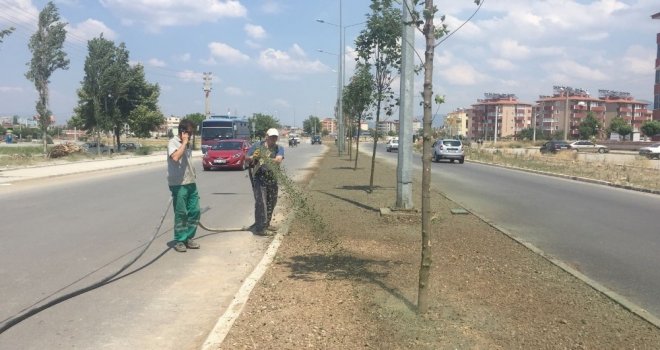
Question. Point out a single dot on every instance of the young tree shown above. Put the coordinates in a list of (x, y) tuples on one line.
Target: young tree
[(263, 122), (379, 47), (620, 126), (590, 126), (358, 95), (431, 33), (651, 128), (312, 125), (47, 56)]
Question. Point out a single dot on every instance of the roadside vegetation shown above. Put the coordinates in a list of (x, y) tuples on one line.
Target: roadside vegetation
[(637, 173)]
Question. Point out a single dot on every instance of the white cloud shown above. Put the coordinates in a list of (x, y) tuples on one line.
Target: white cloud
[(597, 36), (234, 91), (278, 102), (11, 89), (190, 76), (501, 64), (462, 74), (227, 53), (271, 7), (289, 65), (184, 57), (20, 12), (154, 62), (574, 70), (89, 29), (510, 48), (639, 60), (169, 13), (255, 31)]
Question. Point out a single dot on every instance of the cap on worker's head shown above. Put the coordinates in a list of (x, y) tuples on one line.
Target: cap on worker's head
[(272, 132)]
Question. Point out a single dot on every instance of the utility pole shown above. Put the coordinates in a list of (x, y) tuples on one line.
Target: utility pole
[(340, 90), (497, 112), (404, 164), (207, 91)]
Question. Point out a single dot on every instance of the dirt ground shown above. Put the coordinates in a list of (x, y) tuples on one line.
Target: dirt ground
[(353, 283)]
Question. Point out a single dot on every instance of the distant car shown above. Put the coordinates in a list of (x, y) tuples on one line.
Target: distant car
[(588, 146), (226, 154), (554, 146), (392, 145), (651, 151), (91, 147), (293, 142), (448, 149), (128, 146), (316, 139)]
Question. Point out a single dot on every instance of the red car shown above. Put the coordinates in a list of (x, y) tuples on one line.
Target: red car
[(227, 154)]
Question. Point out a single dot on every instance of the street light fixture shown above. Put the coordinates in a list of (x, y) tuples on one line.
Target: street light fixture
[(340, 77)]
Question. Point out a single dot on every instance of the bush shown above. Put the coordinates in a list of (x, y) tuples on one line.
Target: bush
[(143, 151)]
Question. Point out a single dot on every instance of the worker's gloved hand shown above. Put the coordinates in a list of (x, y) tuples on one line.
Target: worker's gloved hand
[(256, 153)]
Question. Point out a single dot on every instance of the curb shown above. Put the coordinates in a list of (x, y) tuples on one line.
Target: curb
[(222, 327)]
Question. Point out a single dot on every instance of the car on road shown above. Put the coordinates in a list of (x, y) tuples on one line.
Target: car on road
[(651, 151), (226, 154), (554, 146), (392, 144), (91, 147), (451, 149), (316, 139), (588, 146), (128, 146)]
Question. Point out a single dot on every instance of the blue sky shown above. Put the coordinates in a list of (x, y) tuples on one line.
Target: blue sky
[(264, 58)]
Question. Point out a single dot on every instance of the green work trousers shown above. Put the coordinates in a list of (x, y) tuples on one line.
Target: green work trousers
[(185, 200)]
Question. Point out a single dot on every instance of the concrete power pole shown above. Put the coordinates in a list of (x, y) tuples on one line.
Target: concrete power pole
[(404, 165), (207, 91)]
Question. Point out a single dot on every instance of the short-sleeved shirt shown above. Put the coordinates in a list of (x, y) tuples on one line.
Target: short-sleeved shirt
[(274, 151), (179, 172)]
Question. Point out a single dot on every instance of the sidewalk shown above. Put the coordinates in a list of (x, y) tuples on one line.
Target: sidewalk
[(55, 168)]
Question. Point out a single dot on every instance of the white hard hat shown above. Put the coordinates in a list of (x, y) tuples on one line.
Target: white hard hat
[(272, 132)]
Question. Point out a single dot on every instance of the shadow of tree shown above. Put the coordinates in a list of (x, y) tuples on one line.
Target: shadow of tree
[(314, 267), (344, 168), (357, 204), (365, 188)]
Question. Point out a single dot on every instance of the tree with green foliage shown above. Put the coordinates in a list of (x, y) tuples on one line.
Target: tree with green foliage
[(358, 95), (528, 134), (262, 122), (196, 118), (424, 21), (590, 126), (312, 125), (651, 128), (5, 32), (379, 47), (46, 45), (114, 94), (620, 126)]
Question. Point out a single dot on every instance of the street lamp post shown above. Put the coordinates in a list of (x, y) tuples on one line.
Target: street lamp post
[(340, 78)]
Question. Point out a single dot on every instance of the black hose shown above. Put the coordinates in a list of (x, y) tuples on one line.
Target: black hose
[(18, 319)]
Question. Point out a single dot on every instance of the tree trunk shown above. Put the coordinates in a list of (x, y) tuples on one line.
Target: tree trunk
[(425, 267), (357, 144), (373, 152)]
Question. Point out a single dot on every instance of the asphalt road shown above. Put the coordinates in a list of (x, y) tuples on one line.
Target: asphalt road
[(611, 235), (65, 233)]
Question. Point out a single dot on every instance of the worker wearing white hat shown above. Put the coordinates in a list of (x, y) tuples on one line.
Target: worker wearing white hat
[(265, 158)]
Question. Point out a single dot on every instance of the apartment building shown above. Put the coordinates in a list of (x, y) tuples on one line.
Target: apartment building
[(565, 110), (621, 104), (457, 123), (384, 127), (329, 124), (498, 115)]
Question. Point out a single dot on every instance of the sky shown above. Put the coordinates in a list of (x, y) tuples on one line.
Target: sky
[(274, 57)]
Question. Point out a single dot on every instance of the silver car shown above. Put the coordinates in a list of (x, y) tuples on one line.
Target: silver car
[(588, 146), (448, 149)]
